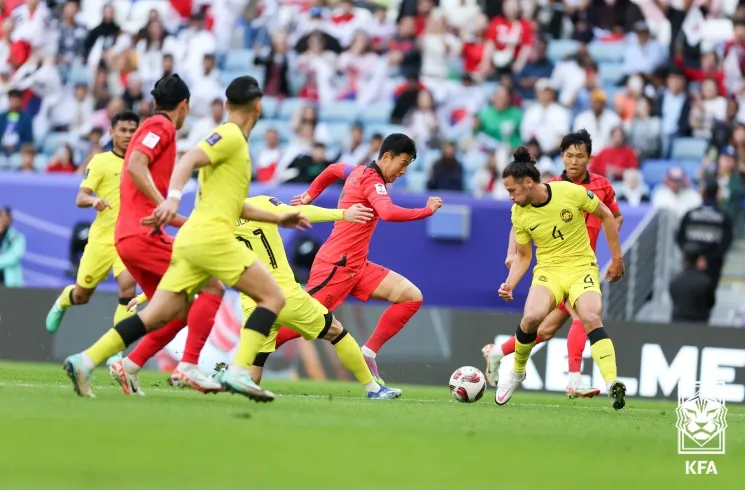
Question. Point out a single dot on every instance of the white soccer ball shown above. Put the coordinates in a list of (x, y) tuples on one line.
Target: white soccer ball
[(467, 384)]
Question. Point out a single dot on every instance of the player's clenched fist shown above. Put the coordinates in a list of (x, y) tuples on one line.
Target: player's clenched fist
[(101, 204), (301, 200), (294, 220), (434, 203), (505, 292), (165, 212), (358, 213), (616, 270)]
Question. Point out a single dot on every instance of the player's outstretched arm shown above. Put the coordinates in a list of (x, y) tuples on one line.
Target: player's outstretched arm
[(332, 173), (520, 264), (293, 219), (377, 195), (356, 213), (616, 269)]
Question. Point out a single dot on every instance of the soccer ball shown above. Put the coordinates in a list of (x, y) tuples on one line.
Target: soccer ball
[(467, 384)]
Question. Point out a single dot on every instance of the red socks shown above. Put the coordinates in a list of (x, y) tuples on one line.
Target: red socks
[(392, 320), (154, 341), (508, 347), (285, 335), (576, 340), (201, 318)]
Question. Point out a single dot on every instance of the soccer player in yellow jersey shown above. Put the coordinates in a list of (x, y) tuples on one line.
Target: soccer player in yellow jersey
[(552, 217), (100, 190), (205, 247), (302, 313)]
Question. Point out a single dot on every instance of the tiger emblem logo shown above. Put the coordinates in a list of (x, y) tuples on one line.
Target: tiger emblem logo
[(701, 425)]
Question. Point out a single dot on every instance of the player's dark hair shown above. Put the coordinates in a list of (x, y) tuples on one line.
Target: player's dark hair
[(522, 166), (125, 116), (243, 90), (398, 144), (169, 92), (577, 138)]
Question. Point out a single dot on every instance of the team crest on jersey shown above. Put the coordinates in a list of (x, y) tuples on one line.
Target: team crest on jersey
[(275, 201), (380, 189), (566, 215), (590, 195), (214, 138), (543, 278), (150, 140)]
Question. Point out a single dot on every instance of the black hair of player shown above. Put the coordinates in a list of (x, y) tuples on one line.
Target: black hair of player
[(577, 138), (169, 92), (522, 166), (398, 144), (243, 90), (128, 116)]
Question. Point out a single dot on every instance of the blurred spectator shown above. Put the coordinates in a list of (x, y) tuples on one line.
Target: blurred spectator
[(643, 54), (599, 121), (376, 142), (612, 161), (545, 121), (538, 67), (150, 50), (509, 40), (474, 48), (421, 121), (460, 14), (632, 189), (676, 195), (28, 154), (308, 114), (92, 147), (317, 64), (693, 292), (722, 130), (269, 157), (402, 50), (673, 106), (438, 47), (206, 88), (707, 229), (626, 100), (643, 131), (62, 161), (709, 70), (133, 94), (500, 120), (568, 79), (192, 44), (355, 151), (487, 181), (707, 107), (307, 167), (446, 174), (15, 125), (460, 106), (104, 34), (380, 29), (543, 163), (736, 202), (71, 37), (275, 60), (12, 248), (358, 66)]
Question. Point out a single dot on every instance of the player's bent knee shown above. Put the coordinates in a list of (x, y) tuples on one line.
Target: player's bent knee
[(332, 330), (546, 333), (214, 287), (533, 319), (591, 321)]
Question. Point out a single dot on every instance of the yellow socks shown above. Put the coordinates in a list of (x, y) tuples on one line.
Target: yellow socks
[(64, 300), (603, 354), (122, 313), (250, 344), (524, 343), (106, 346), (350, 356)]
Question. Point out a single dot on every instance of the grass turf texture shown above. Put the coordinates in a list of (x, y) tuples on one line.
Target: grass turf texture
[(327, 436)]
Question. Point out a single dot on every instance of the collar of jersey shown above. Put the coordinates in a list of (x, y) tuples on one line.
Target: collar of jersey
[(548, 188), (586, 180), (374, 165)]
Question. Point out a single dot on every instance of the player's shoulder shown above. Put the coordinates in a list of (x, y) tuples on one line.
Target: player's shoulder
[(598, 181), (226, 133)]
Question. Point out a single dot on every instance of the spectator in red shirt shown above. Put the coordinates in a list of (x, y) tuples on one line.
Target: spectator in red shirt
[(710, 68), (509, 40), (62, 161), (613, 160)]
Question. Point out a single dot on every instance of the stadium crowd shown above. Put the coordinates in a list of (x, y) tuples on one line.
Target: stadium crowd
[(467, 79)]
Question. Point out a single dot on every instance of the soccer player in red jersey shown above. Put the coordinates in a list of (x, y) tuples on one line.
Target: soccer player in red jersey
[(576, 149), (341, 267), (149, 162)]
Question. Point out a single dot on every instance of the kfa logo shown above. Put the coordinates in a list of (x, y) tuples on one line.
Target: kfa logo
[(702, 421)]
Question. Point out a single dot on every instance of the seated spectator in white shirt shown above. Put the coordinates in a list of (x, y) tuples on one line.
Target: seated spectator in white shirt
[(545, 121), (206, 88), (268, 158), (599, 121), (487, 181), (354, 151), (632, 188), (643, 54), (460, 13), (676, 194)]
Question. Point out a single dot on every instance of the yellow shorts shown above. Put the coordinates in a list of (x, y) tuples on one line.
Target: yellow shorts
[(302, 313), (97, 260), (193, 263), (568, 283)]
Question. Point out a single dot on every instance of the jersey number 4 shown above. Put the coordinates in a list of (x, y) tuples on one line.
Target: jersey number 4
[(557, 233), (260, 233)]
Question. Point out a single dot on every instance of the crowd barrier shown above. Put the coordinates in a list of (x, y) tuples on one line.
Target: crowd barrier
[(654, 360), (450, 271)]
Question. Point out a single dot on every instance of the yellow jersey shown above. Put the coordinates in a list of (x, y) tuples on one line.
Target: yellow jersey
[(224, 183), (103, 176), (265, 241), (557, 227)]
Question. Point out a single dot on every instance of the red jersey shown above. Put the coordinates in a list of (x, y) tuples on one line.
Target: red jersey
[(364, 185), (156, 139), (506, 33), (602, 188)]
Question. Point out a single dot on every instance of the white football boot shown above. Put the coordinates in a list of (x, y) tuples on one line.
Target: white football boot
[(493, 356), (189, 375), (507, 387), (578, 389), (125, 372)]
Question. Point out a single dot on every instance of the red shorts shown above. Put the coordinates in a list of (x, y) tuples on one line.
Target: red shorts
[(563, 308), (331, 284), (147, 258)]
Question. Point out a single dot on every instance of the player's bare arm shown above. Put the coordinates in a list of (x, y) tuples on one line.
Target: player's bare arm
[(331, 174), (520, 264), (616, 269), (138, 168), (86, 199), (293, 219), (618, 218), (511, 249)]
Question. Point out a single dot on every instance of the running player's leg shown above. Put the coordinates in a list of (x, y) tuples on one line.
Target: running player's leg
[(576, 340), (127, 290), (546, 331), (585, 295), (380, 283), (545, 293), (94, 267)]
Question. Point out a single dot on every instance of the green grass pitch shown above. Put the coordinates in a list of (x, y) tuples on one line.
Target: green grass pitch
[(327, 436)]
